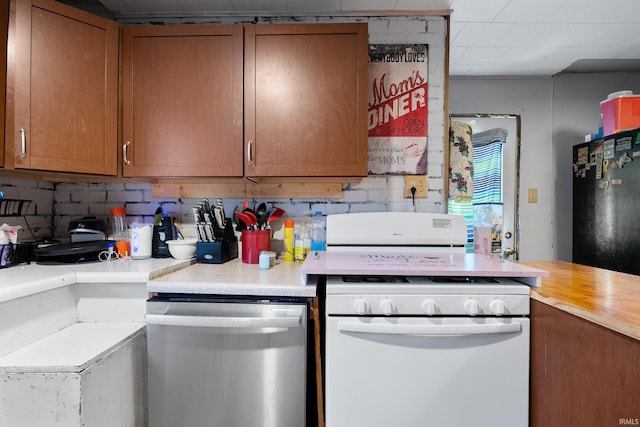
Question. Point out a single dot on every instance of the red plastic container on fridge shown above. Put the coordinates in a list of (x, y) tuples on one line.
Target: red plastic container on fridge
[(620, 112)]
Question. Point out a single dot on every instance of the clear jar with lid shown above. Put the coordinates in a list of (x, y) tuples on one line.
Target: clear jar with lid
[(302, 242), (318, 237), (120, 231)]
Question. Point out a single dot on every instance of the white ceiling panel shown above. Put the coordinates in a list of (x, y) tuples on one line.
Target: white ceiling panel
[(529, 35), (481, 34), (610, 11), (477, 11), (609, 36), (528, 11)]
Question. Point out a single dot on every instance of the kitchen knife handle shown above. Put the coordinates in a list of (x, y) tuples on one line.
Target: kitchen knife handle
[(250, 152), (124, 153), (23, 143)]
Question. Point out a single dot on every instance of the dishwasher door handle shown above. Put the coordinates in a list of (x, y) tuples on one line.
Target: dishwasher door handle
[(430, 330), (223, 322)]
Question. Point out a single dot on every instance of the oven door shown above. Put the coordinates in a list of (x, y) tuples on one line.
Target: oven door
[(408, 372)]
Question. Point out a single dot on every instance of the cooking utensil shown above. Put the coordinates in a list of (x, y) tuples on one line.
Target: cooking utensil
[(262, 214), (240, 225), (252, 215), (275, 215), (157, 217), (247, 218)]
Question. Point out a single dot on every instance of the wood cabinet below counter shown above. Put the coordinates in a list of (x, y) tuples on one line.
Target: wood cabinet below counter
[(585, 347)]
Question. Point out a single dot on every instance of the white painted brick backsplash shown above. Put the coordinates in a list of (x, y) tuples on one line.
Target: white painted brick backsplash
[(66, 201)]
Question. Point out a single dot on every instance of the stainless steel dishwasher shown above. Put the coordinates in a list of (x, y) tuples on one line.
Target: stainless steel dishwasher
[(221, 362)]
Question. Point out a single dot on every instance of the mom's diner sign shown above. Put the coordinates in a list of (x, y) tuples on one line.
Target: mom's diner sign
[(397, 113)]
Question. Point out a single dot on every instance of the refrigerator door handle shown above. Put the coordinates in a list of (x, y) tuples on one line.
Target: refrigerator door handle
[(224, 322)]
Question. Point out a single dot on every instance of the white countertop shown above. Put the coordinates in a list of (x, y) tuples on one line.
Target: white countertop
[(27, 279), (236, 278)]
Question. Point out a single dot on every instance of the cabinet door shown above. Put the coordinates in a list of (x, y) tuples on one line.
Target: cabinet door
[(306, 100), (66, 76), (182, 100), (4, 27)]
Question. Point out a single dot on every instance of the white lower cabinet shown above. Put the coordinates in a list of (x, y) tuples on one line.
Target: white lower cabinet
[(88, 374), (69, 369)]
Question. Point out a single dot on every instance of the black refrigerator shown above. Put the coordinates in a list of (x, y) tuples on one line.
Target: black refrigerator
[(606, 202)]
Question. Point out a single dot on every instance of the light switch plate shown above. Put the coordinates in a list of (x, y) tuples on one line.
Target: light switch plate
[(417, 181), (532, 195)]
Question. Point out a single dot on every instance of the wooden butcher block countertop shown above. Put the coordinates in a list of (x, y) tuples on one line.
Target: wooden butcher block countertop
[(607, 298)]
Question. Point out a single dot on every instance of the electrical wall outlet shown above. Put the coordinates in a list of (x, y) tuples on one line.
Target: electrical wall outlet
[(417, 181)]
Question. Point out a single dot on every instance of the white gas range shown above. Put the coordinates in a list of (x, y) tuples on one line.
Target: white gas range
[(417, 332)]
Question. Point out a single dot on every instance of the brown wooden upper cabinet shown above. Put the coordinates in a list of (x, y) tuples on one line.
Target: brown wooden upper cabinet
[(182, 100), (64, 82), (306, 100), (4, 28), (256, 100)]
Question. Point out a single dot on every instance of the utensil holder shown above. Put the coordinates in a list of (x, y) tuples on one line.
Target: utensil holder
[(254, 242), (220, 251)]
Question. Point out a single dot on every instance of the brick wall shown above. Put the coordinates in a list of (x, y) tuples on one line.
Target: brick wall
[(67, 201)]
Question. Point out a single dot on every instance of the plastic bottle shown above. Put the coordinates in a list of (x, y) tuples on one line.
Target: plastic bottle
[(288, 240), (120, 231), (302, 242), (318, 236)]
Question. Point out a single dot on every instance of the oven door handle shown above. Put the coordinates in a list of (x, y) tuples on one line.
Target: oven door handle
[(223, 322), (430, 330)]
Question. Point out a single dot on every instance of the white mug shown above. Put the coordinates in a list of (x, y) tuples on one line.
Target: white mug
[(141, 235)]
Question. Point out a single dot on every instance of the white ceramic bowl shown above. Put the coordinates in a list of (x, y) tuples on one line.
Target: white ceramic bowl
[(182, 248)]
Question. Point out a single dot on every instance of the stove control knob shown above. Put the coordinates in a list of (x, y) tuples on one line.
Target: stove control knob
[(387, 306), (498, 307), (361, 306), (471, 307), (429, 307)]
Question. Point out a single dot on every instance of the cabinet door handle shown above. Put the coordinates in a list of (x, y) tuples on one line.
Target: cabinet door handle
[(124, 153), (249, 152), (23, 143)]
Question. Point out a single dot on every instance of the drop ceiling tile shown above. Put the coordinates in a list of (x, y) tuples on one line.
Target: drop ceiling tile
[(483, 56), (611, 11), (481, 34), (457, 54), (476, 11), (528, 11), (455, 28), (527, 35), (609, 36)]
